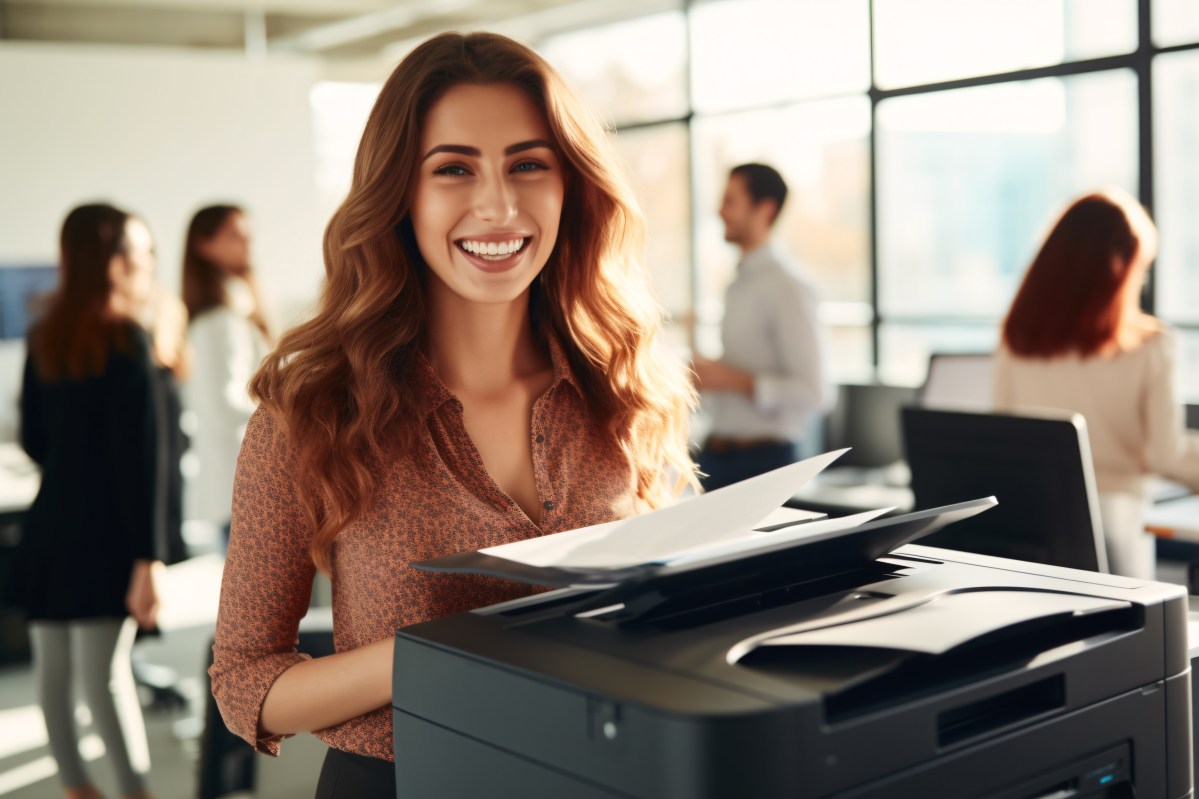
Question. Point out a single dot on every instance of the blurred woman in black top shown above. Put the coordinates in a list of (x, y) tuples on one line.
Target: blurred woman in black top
[(93, 542)]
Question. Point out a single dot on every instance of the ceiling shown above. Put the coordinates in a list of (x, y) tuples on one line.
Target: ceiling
[(331, 29)]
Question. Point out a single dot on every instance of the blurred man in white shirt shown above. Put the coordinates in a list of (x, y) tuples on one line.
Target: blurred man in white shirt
[(772, 377)]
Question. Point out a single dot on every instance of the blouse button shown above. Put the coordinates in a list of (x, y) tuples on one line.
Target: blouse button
[(549, 505), (540, 438)]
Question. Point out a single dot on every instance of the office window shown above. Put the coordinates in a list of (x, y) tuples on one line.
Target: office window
[(850, 350), (658, 169), (756, 52), (1175, 22), (970, 180), (904, 348), (822, 151), (970, 175), (928, 41), (631, 71), (1176, 129)]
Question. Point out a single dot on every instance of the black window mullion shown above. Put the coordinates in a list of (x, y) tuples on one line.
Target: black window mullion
[(1144, 70), (875, 316), (691, 174)]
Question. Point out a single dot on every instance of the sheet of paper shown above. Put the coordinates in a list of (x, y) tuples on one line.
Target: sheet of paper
[(785, 515), (720, 515), (757, 540)]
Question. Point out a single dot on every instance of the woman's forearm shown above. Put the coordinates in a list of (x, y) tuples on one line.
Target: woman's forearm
[(325, 691)]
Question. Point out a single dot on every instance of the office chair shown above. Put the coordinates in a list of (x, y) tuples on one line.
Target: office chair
[(1037, 466), (958, 380)]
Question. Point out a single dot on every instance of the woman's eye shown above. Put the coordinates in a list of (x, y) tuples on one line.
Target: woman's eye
[(529, 166), (450, 169)]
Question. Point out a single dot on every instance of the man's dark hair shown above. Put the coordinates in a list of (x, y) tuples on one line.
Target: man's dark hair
[(763, 183)]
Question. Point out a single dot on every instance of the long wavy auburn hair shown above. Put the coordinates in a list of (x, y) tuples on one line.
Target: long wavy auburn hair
[(341, 383), (75, 336), (1074, 295)]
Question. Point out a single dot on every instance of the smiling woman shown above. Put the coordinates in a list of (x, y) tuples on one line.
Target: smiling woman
[(482, 369), (486, 214)]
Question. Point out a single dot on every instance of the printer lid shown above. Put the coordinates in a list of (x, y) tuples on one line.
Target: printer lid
[(825, 550)]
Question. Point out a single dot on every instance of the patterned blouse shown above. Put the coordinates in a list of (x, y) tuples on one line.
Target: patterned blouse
[(436, 500)]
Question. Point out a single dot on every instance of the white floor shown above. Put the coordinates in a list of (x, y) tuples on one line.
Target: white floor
[(27, 770)]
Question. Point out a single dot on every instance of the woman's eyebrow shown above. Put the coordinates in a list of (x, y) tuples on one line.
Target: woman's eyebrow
[(474, 152), (460, 149), (527, 145)]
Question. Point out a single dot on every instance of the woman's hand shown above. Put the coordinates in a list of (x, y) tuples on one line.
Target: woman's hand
[(142, 599)]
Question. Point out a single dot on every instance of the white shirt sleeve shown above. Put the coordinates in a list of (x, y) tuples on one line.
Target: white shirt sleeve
[(795, 333), (224, 363)]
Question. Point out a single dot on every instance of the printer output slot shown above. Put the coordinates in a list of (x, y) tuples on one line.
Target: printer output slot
[(994, 653), (691, 608), (1001, 710)]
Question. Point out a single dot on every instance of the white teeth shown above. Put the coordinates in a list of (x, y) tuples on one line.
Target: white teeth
[(493, 250)]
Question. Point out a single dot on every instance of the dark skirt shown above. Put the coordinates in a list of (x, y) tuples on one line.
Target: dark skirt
[(346, 775)]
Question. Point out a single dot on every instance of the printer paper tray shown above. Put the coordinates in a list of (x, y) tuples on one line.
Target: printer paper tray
[(935, 624)]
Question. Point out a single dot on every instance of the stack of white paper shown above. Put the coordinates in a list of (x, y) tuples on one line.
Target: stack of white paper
[(714, 524)]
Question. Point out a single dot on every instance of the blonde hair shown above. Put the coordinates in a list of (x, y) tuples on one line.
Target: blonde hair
[(340, 381)]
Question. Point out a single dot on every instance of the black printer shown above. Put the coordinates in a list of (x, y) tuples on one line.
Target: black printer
[(852, 665)]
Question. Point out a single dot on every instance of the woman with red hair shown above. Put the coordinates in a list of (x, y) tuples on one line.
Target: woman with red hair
[(481, 369), (1075, 338)]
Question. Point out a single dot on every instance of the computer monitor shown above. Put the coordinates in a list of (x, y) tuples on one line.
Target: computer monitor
[(1037, 466), (866, 418), (959, 380), (20, 289)]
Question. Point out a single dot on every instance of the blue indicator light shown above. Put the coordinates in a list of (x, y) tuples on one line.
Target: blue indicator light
[(1106, 780)]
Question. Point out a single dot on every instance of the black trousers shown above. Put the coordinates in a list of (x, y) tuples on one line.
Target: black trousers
[(346, 775)]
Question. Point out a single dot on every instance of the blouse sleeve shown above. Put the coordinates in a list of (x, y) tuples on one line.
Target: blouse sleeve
[(266, 586), (1170, 450)]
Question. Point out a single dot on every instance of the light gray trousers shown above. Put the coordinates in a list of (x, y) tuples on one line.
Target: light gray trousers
[(97, 653)]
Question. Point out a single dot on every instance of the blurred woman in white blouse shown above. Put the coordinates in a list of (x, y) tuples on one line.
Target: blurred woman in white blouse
[(229, 337), (1076, 338)]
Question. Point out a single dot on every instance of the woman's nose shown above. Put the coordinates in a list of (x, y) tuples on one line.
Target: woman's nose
[(495, 200)]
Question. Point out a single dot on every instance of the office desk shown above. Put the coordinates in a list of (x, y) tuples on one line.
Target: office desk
[(839, 491), (1176, 519), (19, 482), (19, 479)]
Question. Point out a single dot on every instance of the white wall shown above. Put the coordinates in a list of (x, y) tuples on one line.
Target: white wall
[(160, 132)]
